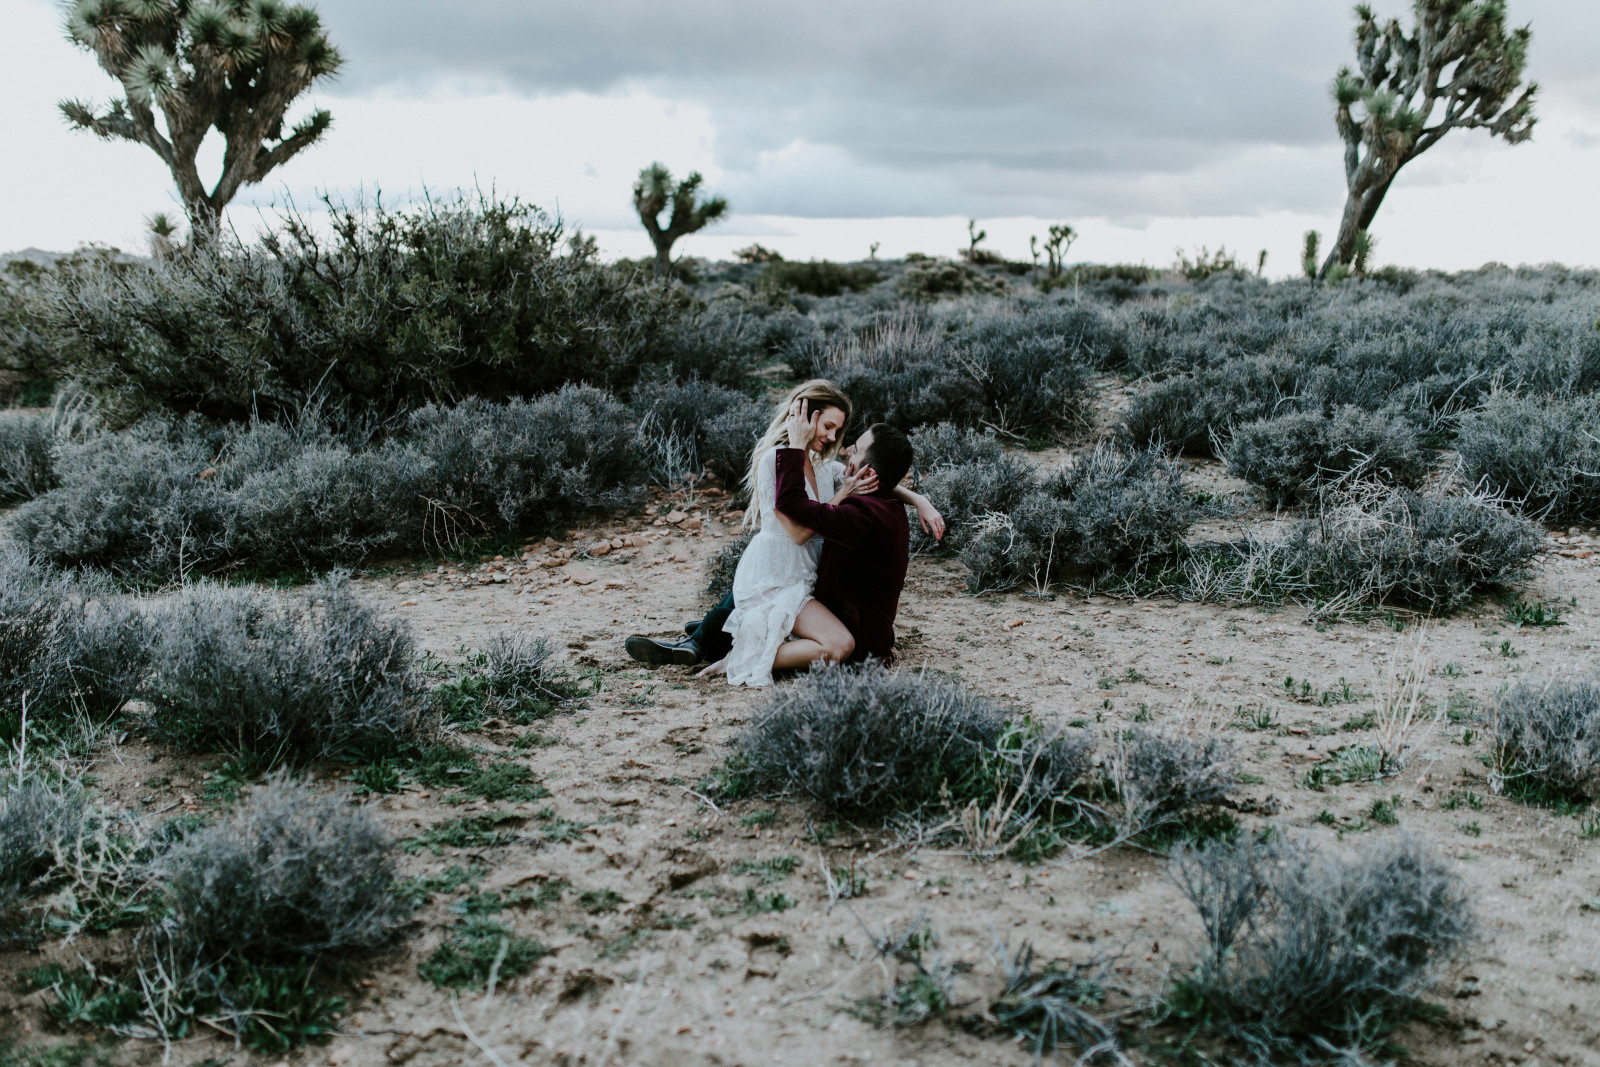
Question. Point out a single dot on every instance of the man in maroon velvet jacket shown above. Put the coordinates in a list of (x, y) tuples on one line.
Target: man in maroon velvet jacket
[(867, 541)]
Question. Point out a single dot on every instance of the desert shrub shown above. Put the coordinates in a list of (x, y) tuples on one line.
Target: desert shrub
[(819, 277), (1163, 776), (1125, 506), (723, 565), (909, 372), (133, 503), (27, 368), (1547, 737), (36, 820), (712, 427), (285, 678), (1305, 949), (870, 738), (286, 875), (66, 642), (1297, 453), (967, 493), (932, 279), (1184, 412), (166, 498), (1542, 452), (383, 311), (26, 468), (1104, 511), (516, 677), (563, 453), (1431, 550)]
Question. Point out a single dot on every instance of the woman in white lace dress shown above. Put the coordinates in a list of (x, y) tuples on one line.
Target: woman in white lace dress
[(772, 584)]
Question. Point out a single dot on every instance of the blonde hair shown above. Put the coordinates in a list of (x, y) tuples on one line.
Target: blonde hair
[(819, 393)]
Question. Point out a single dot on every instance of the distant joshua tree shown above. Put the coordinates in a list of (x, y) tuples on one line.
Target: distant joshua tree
[(1459, 69), (654, 191), (1061, 238), (231, 65)]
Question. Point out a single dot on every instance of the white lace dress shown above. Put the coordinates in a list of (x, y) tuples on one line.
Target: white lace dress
[(774, 577)]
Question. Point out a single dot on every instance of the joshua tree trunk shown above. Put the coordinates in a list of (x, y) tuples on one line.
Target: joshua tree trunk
[(1402, 84)]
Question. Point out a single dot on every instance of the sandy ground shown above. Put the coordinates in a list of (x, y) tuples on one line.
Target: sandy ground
[(681, 972)]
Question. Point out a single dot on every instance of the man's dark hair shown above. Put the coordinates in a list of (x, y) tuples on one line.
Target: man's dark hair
[(890, 455)]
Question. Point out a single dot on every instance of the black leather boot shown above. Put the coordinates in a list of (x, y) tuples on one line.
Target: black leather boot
[(653, 652)]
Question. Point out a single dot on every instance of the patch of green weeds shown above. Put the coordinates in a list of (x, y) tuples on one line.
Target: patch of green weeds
[(474, 949), (769, 871), (1367, 720), (1455, 800), (419, 891), (1385, 812), (381, 777), (771, 903), (1472, 828), (490, 829), (599, 901), (617, 947), (1254, 718), (1538, 613), (759, 820)]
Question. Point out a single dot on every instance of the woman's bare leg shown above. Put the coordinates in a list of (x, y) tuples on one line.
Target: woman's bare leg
[(820, 635)]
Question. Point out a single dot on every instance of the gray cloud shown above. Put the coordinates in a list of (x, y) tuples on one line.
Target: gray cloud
[(943, 106)]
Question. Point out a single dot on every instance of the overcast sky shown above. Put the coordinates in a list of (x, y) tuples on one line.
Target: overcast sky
[(830, 125)]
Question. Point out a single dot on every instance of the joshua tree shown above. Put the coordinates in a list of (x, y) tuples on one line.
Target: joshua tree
[(975, 237), (1308, 258), (654, 191), (235, 65), (1061, 238), (1033, 250), (1459, 69)]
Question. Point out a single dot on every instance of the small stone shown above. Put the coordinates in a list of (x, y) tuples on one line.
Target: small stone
[(618, 542), (615, 583), (600, 548), (1487, 1023), (553, 562), (580, 576), (674, 517), (408, 603), (1471, 1037), (693, 523), (402, 587)]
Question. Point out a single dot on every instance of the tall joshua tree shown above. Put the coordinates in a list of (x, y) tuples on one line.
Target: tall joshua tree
[(235, 65), (1459, 69), (654, 191)]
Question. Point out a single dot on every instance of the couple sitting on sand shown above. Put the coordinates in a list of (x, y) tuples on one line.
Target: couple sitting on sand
[(796, 601)]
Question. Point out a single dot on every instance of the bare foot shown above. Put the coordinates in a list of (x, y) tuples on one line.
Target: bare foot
[(711, 671)]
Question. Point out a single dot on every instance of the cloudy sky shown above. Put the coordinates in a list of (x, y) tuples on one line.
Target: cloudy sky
[(1147, 124)]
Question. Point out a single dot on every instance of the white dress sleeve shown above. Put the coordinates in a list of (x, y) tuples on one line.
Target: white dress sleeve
[(767, 485)]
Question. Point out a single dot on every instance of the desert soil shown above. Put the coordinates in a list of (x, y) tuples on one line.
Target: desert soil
[(683, 972)]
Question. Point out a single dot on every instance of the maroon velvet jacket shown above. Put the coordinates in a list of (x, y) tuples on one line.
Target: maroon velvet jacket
[(866, 548)]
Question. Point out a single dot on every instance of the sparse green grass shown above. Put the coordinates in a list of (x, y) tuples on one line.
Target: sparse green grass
[(769, 871), (599, 901), (489, 829), (759, 820), (475, 948), (419, 891), (1536, 614), (1455, 800), (1385, 812)]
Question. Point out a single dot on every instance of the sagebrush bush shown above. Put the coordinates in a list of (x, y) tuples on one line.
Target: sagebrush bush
[(36, 821), (716, 428), (1104, 511), (167, 498), (819, 277), (285, 678), (66, 641), (1162, 775), (869, 738), (1433, 550), (1306, 948), (1187, 412), (26, 464), (383, 312), (1543, 452), (1547, 738), (1294, 455), (906, 371), (932, 279), (967, 491), (286, 875)]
